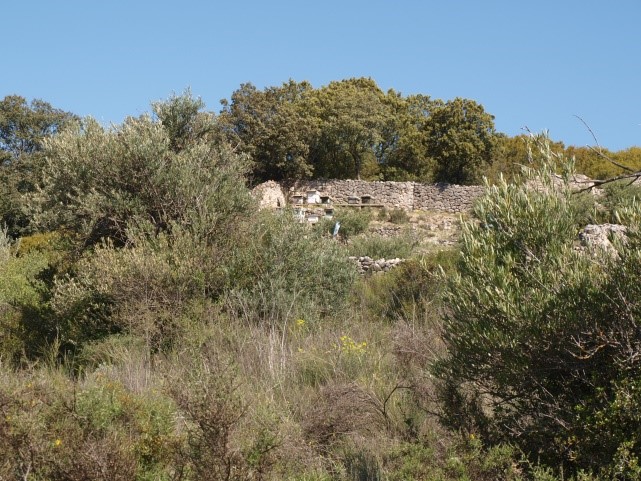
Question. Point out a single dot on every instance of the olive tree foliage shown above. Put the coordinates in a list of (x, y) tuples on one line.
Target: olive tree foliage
[(23, 128), (170, 167), (151, 204), (543, 339), (151, 289)]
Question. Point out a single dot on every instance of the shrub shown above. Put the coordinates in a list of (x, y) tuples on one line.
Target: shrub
[(170, 168), (283, 270), (54, 428), (353, 221), (409, 291), (26, 271), (619, 195), (541, 337), (340, 410), (150, 289), (399, 216), (206, 393), (378, 247)]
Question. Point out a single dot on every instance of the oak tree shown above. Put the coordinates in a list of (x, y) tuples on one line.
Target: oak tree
[(460, 140)]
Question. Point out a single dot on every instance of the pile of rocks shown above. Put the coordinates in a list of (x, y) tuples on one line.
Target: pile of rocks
[(368, 265), (387, 231), (445, 224)]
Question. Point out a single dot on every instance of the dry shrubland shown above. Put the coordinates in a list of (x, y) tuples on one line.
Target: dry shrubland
[(153, 326)]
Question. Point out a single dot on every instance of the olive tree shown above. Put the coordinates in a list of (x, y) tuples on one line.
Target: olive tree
[(169, 167), (543, 339), (24, 126)]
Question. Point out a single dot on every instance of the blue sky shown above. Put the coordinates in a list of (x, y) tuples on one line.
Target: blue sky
[(534, 64)]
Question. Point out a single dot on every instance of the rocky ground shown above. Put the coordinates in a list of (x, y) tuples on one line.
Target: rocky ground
[(432, 229)]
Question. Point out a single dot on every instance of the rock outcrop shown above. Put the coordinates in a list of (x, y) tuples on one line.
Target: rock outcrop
[(600, 236)]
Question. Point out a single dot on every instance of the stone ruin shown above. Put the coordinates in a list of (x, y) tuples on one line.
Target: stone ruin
[(317, 198), (269, 195), (314, 200)]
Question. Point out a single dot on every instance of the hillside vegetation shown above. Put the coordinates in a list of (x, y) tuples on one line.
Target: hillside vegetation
[(155, 326)]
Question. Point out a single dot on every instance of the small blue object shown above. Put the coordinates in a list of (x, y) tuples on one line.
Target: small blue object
[(336, 227)]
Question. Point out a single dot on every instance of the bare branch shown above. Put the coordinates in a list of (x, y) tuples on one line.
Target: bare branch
[(599, 151), (597, 183)]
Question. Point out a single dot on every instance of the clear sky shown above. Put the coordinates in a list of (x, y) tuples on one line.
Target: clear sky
[(536, 64)]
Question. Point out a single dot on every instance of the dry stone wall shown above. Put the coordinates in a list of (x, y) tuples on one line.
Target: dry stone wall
[(445, 197), (389, 194), (393, 195)]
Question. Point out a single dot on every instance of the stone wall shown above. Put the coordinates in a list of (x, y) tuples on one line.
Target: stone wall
[(389, 194), (445, 197), (392, 195)]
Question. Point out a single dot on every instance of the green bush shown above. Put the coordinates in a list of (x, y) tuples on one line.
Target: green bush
[(152, 289), (27, 271), (282, 270), (161, 170), (619, 195), (399, 216), (378, 247), (586, 211), (395, 216), (611, 199), (542, 337), (353, 221), (410, 291), (57, 429)]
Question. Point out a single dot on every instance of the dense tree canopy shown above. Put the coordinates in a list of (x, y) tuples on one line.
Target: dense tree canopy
[(593, 161), (351, 115), (24, 125), (402, 153), (273, 127), (460, 138), (352, 129)]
